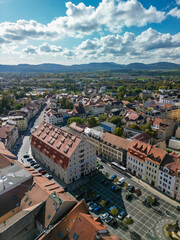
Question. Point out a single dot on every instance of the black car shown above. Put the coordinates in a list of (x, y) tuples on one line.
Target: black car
[(129, 197), (97, 197), (103, 181), (130, 188), (178, 208), (29, 159), (113, 223), (106, 183), (40, 170)]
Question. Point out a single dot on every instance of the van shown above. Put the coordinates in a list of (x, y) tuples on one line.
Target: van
[(121, 181)]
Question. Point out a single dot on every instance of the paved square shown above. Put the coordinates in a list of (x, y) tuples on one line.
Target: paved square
[(144, 218)]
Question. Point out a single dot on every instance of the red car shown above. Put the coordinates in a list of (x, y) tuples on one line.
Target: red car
[(43, 172)]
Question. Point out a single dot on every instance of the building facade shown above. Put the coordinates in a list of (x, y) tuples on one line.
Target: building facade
[(9, 134), (67, 155)]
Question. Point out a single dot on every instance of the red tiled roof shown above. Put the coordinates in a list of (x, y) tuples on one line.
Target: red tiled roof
[(157, 121), (88, 227), (114, 140), (143, 150), (55, 143)]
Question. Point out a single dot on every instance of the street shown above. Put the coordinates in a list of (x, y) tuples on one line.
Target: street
[(25, 147)]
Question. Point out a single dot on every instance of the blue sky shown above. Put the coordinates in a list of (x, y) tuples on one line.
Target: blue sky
[(76, 31)]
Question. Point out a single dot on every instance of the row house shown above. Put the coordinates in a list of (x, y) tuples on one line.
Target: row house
[(169, 176), (113, 148), (9, 134), (67, 155), (20, 120), (105, 145), (53, 117), (143, 161)]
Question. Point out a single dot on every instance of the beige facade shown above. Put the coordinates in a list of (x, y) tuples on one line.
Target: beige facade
[(151, 172)]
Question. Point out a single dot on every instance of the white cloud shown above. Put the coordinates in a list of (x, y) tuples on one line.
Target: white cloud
[(82, 20), (175, 12), (149, 46), (47, 48), (178, 2), (30, 50)]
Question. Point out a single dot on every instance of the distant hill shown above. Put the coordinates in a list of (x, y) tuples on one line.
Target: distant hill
[(49, 67)]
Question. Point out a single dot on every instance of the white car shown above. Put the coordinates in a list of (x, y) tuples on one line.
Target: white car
[(92, 206), (105, 215)]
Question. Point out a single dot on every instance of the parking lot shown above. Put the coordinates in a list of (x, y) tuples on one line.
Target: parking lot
[(144, 218)]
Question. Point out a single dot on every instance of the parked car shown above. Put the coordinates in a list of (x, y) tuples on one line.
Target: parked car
[(103, 181), (130, 188), (93, 206), (90, 203), (26, 156), (43, 172), (121, 181), (113, 177), (122, 215), (32, 163), (29, 159), (129, 197), (106, 183), (97, 209), (115, 189), (105, 215), (49, 177), (97, 197), (109, 219), (113, 223), (36, 166), (39, 170), (107, 202), (178, 208)]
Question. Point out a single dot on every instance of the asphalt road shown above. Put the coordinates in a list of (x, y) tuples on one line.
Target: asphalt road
[(25, 147)]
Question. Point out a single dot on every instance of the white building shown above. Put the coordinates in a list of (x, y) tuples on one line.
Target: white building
[(167, 173), (67, 155), (53, 117)]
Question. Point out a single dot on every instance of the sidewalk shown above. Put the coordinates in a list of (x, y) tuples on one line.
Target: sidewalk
[(155, 192)]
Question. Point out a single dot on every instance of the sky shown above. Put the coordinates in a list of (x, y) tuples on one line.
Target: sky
[(84, 31)]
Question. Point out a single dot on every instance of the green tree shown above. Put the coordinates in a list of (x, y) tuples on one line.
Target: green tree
[(135, 126), (18, 106), (118, 132), (116, 120), (76, 119), (92, 122)]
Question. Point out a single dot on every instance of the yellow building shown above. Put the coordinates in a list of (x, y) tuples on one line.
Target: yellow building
[(21, 121)]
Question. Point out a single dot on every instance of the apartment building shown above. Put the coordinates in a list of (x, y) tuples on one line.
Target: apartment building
[(143, 160), (105, 145), (113, 148), (67, 155), (152, 164), (169, 176), (9, 134), (21, 121), (53, 117), (165, 128)]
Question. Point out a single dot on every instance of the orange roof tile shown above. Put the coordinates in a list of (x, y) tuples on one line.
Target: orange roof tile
[(116, 141), (56, 143)]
